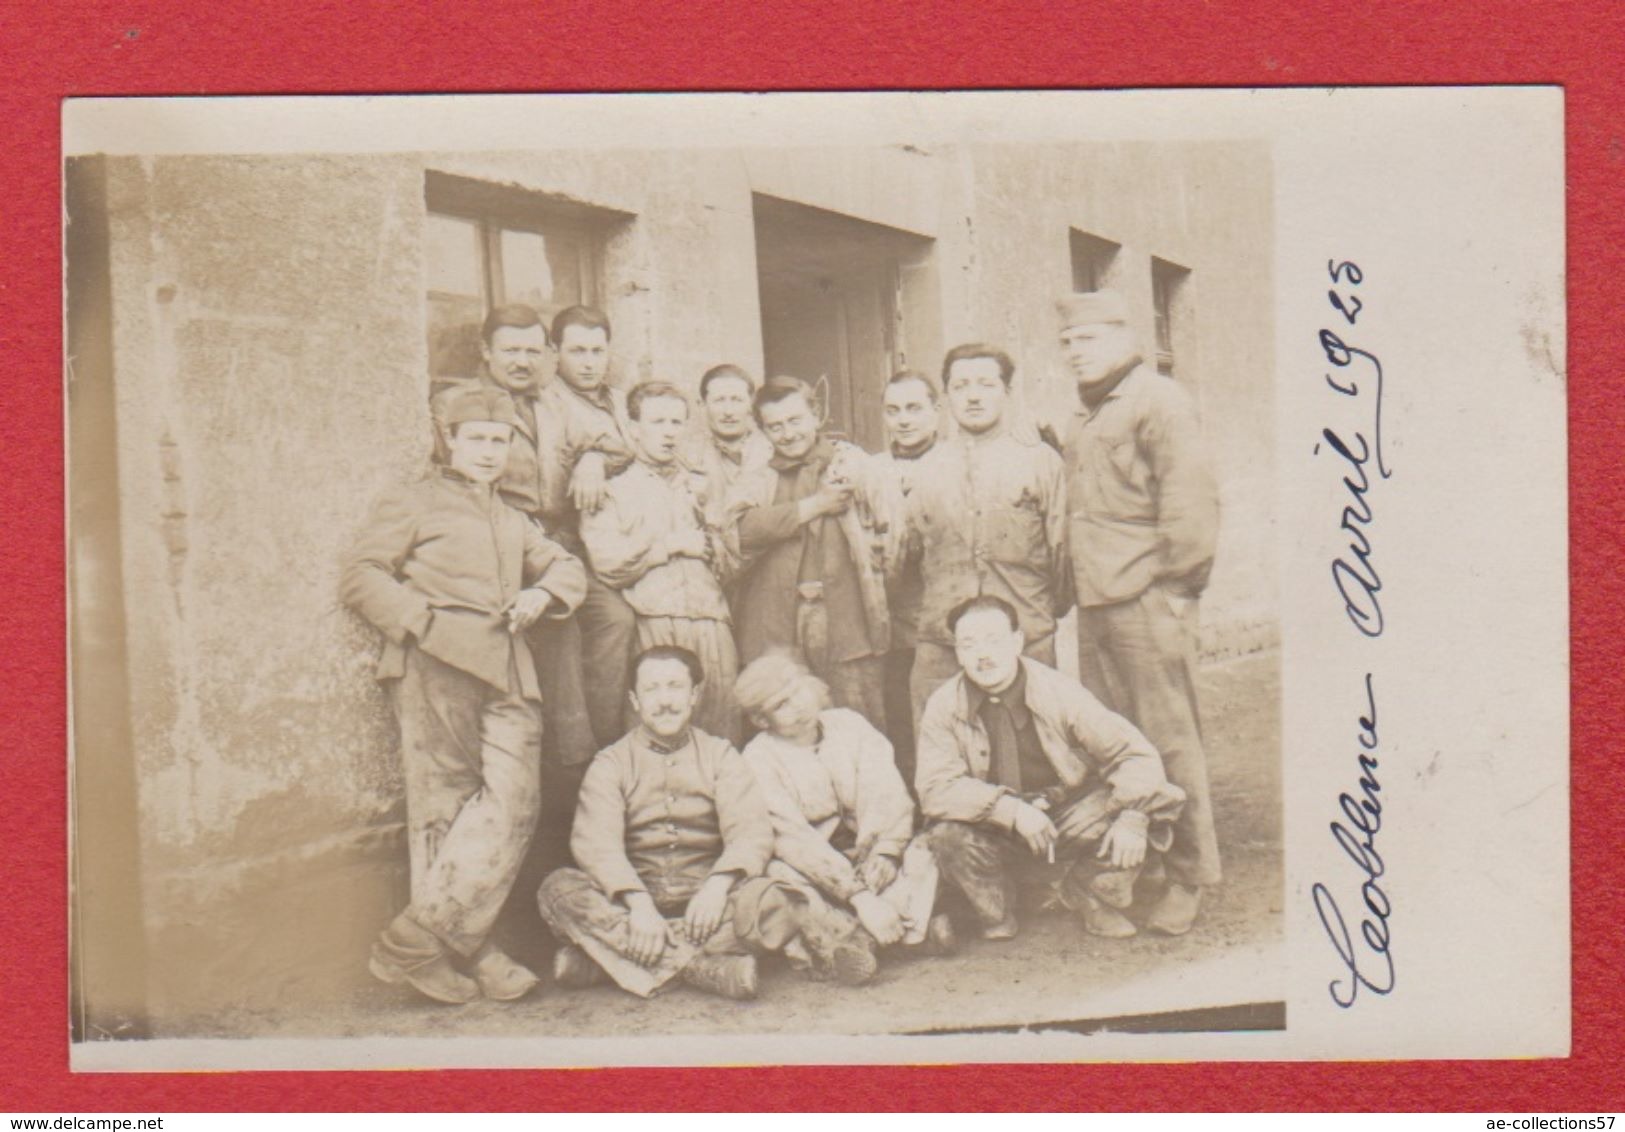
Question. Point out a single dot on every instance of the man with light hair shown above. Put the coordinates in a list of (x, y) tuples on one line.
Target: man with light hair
[(1144, 527), (671, 836), (843, 822), (1023, 772), (453, 576), (649, 540)]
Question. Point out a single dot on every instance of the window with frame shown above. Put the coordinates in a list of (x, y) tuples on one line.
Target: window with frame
[(489, 245), (1092, 260), (1168, 282)]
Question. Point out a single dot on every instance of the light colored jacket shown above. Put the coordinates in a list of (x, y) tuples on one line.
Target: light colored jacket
[(440, 561), (849, 781), (1145, 508), (627, 540), (988, 516), (1081, 739)]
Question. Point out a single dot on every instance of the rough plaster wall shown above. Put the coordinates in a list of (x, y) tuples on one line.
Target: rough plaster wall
[(1207, 207), (270, 380)]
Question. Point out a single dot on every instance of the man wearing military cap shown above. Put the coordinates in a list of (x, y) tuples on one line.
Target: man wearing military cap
[(453, 576), (1144, 524)]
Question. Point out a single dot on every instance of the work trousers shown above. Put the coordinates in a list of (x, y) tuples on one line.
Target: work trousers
[(985, 862), (608, 637), (568, 739), (762, 915), (913, 894), (472, 761), (1139, 659), (934, 664)]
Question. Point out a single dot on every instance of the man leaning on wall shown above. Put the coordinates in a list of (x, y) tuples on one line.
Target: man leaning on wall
[(453, 577)]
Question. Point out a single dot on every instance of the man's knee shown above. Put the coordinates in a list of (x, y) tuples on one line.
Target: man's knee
[(957, 843), (564, 893)]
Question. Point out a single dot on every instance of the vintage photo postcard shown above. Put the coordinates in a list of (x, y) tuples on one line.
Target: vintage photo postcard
[(838, 578)]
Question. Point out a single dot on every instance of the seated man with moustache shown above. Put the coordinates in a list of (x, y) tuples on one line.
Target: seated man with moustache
[(1020, 764), (843, 822), (672, 836)]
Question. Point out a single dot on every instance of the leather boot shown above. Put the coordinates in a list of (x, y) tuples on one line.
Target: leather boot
[(1115, 887), (731, 976), (1176, 911), (410, 954), (499, 977), (838, 947), (572, 967), (940, 937), (1105, 921)]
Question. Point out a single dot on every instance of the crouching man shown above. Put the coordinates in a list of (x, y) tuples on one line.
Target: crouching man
[(672, 837), (843, 822), (438, 570), (1019, 763)]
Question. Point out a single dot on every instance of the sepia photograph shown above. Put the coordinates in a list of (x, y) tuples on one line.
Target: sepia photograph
[(622, 592)]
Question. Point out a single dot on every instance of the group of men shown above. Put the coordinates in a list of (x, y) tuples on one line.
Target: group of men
[(590, 575)]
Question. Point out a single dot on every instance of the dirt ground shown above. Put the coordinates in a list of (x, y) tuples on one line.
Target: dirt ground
[(1051, 973)]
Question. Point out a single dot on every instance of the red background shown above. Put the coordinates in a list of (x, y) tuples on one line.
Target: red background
[(320, 46)]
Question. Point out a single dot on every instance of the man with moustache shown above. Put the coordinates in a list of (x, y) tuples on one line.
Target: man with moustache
[(671, 836), (1022, 770), (729, 446), (806, 532), (1145, 521), (438, 570), (910, 415), (987, 515), (595, 444), (650, 540)]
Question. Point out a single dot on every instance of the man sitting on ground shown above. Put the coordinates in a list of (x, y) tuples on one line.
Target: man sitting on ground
[(1019, 761), (843, 823), (672, 837)]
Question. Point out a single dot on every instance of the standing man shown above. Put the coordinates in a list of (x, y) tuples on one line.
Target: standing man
[(671, 836), (650, 541), (439, 570), (514, 349), (730, 445), (1145, 520), (987, 516), (910, 414), (1021, 768), (595, 444), (805, 530)]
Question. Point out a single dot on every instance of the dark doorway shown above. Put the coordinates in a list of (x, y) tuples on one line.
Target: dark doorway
[(835, 294)]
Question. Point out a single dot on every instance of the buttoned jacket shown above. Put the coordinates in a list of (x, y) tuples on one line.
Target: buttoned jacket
[(1144, 505), (440, 562), (1083, 741)]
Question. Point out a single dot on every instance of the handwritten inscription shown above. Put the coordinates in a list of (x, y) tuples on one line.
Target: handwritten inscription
[(1370, 966), (1366, 957), (1354, 573)]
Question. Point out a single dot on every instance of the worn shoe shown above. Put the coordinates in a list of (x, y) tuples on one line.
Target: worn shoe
[(940, 938), (1115, 887), (572, 967), (731, 976), (1107, 922), (1004, 929), (1176, 911), (499, 977), (430, 975), (845, 953)]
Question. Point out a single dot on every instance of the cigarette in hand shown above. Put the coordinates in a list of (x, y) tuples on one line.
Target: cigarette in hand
[(1050, 853)]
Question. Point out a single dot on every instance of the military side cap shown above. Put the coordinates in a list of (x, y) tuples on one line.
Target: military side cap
[(1092, 307), (492, 405)]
